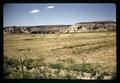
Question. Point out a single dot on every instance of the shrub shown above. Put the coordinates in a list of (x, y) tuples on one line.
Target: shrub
[(68, 77), (27, 39), (83, 68), (69, 60), (30, 63), (75, 67), (11, 62), (56, 66), (12, 67), (27, 49)]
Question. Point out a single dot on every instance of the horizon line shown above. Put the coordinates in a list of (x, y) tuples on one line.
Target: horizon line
[(62, 24)]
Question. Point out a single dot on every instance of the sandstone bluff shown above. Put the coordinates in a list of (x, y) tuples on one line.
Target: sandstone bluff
[(78, 27)]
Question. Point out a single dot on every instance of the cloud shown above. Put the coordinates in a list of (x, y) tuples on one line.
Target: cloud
[(34, 11), (49, 7)]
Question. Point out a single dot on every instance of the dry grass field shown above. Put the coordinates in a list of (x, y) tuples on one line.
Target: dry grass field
[(60, 56)]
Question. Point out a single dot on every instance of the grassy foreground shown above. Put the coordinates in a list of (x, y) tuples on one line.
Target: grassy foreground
[(60, 56)]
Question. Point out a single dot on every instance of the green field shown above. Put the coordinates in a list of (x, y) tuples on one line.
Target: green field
[(60, 56)]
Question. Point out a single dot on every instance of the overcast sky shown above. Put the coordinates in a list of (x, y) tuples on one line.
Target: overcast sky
[(52, 14)]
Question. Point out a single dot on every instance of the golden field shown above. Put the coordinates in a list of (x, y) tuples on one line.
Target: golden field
[(60, 56)]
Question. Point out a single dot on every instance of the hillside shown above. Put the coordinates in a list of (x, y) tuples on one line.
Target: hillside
[(91, 26), (78, 27)]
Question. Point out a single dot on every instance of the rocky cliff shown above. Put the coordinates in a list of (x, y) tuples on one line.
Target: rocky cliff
[(78, 27), (91, 26)]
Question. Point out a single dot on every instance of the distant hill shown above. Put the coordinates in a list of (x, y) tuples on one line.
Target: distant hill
[(91, 26), (96, 22), (78, 27)]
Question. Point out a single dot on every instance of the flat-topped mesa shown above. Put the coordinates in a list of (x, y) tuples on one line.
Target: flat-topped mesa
[(97, 22), (92, 26), (78, 27)]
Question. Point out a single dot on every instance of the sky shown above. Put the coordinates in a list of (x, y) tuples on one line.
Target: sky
[(56, 13)]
